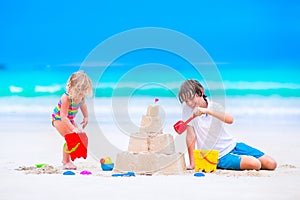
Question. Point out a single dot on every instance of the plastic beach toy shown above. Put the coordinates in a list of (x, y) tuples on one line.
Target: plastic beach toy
[(206, 160), (199, 174), (180, 126), (124, 174), (107, 167), (41, 165), (85, 172), (77, 145), (69, 173)]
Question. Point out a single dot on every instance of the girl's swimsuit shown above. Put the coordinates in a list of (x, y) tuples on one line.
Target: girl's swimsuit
[(72, 110)]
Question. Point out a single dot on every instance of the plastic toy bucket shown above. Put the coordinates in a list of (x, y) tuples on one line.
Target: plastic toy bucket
[(206, 160), (76, 145)]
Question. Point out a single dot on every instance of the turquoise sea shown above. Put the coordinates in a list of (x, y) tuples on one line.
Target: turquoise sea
[(124, 88), (152, 79)]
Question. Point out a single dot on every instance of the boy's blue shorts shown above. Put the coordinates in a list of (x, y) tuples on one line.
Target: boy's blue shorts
[(232, 160)]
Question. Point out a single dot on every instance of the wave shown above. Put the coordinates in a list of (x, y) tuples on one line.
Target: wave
[(15, 89), (277, 107), (168, 89), (34, 91), (258, 85), (48, 89)]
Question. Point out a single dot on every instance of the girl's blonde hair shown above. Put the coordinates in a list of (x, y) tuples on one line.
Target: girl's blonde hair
[(78, 82)]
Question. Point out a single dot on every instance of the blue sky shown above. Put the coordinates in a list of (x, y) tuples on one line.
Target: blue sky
[(35, 32)]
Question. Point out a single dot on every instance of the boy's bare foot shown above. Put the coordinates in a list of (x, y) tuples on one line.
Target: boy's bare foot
[(70, 166), (190, 167)]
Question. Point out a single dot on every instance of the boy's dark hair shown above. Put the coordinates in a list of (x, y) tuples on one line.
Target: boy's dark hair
[(189, 89)]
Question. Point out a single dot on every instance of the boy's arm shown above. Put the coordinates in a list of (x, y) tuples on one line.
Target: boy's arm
[(190, 143), (221, 116), (217, 112)]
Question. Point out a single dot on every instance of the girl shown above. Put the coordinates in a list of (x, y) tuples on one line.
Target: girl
[(78, 86), (207, 130)]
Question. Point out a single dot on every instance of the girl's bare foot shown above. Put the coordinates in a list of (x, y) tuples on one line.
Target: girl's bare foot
[(70, 166)]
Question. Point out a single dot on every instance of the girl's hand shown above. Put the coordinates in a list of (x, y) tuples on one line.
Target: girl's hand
[(84, 122), (199, 111), (75, 130)]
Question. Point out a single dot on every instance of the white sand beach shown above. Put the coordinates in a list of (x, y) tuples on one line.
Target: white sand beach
[(28, 140), (245, 54)]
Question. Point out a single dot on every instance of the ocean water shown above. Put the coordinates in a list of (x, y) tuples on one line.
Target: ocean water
[(270, 89), (153, 79), (249, 88)]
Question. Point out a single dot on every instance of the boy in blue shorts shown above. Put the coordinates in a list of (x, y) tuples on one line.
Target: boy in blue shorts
[(207, 131)]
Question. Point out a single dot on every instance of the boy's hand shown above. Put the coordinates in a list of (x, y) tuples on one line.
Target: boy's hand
[(199, 111)]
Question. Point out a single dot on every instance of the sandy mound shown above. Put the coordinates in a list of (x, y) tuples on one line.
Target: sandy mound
[(46, 169)]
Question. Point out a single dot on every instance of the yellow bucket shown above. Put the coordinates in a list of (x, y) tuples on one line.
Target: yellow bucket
[(206, 160)]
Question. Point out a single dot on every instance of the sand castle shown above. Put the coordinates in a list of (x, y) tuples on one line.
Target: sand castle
[(150, 150)]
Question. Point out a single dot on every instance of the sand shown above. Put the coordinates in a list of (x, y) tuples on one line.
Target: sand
[(26, 143)]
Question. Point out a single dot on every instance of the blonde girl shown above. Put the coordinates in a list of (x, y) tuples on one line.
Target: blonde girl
[(78, 87)]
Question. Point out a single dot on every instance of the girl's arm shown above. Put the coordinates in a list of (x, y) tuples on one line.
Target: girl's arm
[(217, 113), (65, 102), (84, 111)]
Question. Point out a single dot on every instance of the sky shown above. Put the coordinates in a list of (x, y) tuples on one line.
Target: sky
[(35, 32)]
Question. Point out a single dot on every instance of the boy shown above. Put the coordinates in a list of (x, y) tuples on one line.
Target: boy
[(207, 130)]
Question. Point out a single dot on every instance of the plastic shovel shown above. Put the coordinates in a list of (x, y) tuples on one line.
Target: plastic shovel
[(180, 126)]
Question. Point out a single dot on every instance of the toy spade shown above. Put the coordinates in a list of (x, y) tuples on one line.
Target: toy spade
[(180, 126)]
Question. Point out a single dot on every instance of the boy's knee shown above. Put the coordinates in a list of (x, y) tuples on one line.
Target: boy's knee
[(272, 165), (255, 164), (250, 163), (268, 163)]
